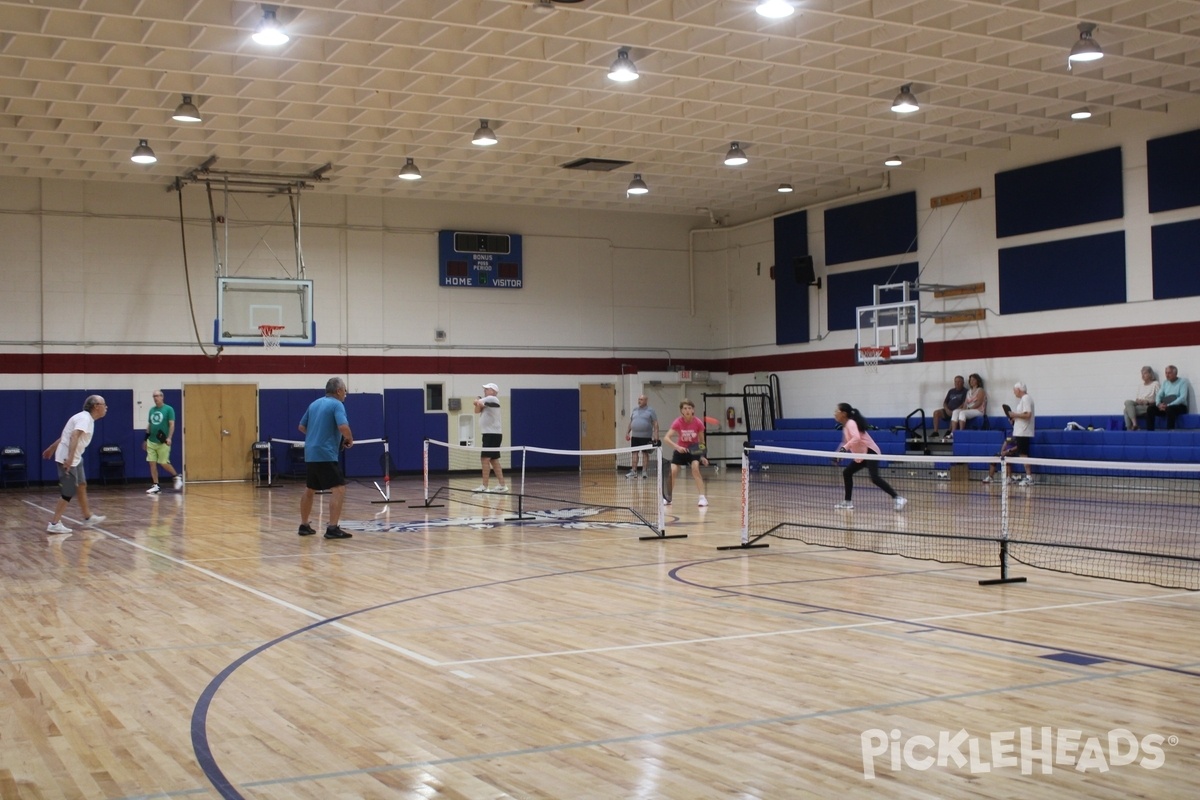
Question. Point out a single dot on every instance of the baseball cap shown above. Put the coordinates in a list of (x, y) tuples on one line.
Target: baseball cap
[(492, 386)]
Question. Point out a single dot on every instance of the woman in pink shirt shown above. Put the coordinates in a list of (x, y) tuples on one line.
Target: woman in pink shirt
[(686, 438), (855, 439)]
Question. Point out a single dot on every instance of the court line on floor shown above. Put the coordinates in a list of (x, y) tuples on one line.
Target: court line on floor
[(802, 631), (279, 601)]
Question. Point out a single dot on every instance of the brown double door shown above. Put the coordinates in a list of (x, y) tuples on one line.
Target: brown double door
[(220, 425)]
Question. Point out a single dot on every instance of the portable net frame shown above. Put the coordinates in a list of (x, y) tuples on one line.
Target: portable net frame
[(549, 484), (1137, 522)]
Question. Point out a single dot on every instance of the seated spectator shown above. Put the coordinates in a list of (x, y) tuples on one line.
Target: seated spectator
[(1172, 399), (975, 405), (954, 399), (1144, 396)]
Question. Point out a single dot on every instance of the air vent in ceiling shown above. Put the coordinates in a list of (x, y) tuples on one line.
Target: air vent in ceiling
[(596, 164)]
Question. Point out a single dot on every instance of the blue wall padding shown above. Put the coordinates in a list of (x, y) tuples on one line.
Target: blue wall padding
[(21, 426), (1060, 194), (791, 298), (545, 418), (1174, 250), (1071, 273), (871, 229), (849, 290), (364, 412), (1173, 171), (405, 426)]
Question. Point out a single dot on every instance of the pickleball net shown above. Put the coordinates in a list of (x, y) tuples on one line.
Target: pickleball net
[(1129, 521), (545, 483)]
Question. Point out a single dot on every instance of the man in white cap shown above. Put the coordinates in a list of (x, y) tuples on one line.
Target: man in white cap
[(492, 431)]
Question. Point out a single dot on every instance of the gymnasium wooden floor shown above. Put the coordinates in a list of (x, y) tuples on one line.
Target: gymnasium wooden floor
[(193, 646)]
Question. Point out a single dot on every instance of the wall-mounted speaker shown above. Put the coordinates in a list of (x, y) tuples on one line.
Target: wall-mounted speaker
[(802, 267)]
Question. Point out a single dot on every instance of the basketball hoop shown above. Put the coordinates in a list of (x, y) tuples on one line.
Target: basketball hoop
[(872, 356), (270, 335)]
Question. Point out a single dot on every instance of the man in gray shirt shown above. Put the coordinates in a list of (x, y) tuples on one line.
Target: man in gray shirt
[(643, 429)]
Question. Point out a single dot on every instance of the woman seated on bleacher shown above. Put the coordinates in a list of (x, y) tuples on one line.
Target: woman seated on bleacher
[(1143, 398), (974, 406)]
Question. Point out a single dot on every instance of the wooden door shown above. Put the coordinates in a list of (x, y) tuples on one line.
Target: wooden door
[(220, 422), (598, 422)]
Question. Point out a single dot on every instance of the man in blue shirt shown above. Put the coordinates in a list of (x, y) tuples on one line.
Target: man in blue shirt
[(1172, 401), (326, 431)]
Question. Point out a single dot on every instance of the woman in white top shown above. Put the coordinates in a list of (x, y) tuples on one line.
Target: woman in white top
[(974, 406), (1143, 396)]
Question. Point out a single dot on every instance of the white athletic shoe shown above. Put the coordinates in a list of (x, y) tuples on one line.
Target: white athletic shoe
[(501, 489), (178, 482), (987, 478), (57, 527), (480, 488), (1026, 481), (899, 504), (631, 474), (666, 501), (153, 489), (643, 475), (94, 519), (703, 501), (845, 504)]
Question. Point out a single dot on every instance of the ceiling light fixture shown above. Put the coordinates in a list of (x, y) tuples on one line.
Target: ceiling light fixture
[(1082, 113), (484, 136), (142, 154), (906, 101), (893, 162), (775, 9), (637, 185), (409, 171), (186, 111), (1086, 49), (785, 188), (623, 69), (735, 157), (269, 31)]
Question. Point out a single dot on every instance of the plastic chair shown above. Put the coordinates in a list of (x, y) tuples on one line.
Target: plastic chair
[(112, 464), (13, 467)]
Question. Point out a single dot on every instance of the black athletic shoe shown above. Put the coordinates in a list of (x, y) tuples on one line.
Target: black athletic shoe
[(334, 532), (306, 530)]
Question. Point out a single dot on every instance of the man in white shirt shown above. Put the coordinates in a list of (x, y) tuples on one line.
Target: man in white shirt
[(1023, 427), (492, 434), (67, 452)]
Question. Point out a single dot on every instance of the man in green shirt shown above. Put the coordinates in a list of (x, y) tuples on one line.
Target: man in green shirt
[(160, 432)]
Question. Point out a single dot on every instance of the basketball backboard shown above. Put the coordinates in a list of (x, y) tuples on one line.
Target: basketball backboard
[(896, 326), (245, 304)]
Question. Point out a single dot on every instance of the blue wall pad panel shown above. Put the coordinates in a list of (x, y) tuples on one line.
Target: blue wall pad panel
[(405, 426), (1173, 171), (1059, 194), (21, 426), (849, 290), (364, 412), (1072, 273), (872, 229), (1173, 251), (545, 418), (791, 295)]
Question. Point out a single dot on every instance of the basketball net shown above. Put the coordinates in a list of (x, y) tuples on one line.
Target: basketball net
[(270, 335), (871, 356)]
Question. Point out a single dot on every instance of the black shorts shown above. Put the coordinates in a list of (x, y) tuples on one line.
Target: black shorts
[(492, 440), (324, 475), (1022, 443), (685, 459), (639, 441)]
